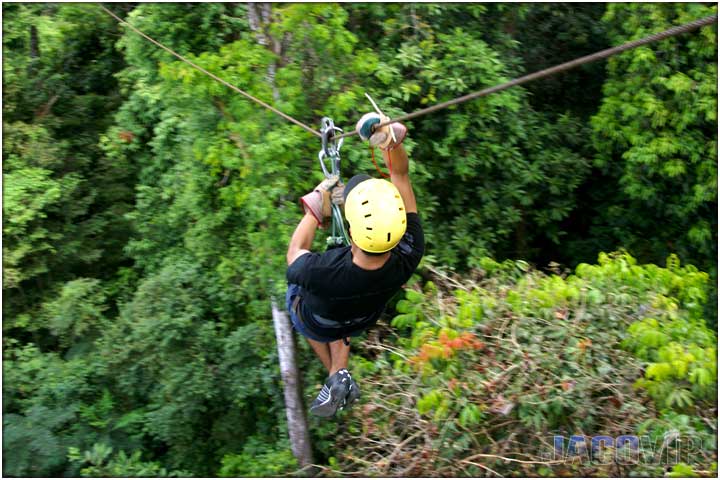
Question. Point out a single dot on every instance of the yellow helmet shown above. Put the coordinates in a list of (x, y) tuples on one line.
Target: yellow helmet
[(376, 214)]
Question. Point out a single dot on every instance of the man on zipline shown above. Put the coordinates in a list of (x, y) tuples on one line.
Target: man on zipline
[(342, 292)]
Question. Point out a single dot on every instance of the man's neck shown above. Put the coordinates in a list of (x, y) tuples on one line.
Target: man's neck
[(368, 262)]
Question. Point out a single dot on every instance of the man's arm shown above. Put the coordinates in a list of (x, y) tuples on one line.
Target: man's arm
[(397, 162), (317, 208), (302, 238), (389, 139)]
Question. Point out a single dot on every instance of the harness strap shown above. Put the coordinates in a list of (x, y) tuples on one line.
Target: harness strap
[(329, 323), (343, 326)]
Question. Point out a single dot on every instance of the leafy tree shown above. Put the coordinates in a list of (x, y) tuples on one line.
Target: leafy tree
[(548, 34), (77, 314), (64, 201), (147, 210), (655, 134), (101, 463), (493, 173), (30, 444), (46, 403), (475, 374)]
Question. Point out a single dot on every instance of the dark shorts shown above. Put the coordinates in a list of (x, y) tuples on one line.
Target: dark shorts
[(303, 329)]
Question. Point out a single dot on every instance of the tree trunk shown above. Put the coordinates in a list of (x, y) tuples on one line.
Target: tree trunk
[(260, 19), (34, 63), (521, 248), (294, 406), (34, 43)]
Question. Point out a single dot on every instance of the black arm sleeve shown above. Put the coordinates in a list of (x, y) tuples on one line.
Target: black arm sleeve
[(412, 246), (297, 272)]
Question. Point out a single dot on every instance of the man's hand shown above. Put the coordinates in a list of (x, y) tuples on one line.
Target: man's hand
[(317, 202), (394, 154), (337, 195), (380, 137)]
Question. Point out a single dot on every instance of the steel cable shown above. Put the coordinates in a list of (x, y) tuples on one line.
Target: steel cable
[(215, 77), (712, 19), (552, 70)]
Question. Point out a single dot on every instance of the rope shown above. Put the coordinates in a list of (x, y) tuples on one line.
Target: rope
[(553, 70), (214, 77), (382, 174)]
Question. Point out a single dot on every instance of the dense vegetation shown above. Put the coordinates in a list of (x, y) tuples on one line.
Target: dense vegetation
[(147, 209), (493, 367)]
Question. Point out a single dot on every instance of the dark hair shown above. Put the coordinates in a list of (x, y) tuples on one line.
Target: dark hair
[(374, 254), (353, 182)]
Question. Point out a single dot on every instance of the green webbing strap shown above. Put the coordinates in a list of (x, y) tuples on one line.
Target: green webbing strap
[(338, 234), (331, 150)]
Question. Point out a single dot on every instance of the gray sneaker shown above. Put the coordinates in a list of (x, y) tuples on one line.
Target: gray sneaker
[(333, 394), (352, 396)]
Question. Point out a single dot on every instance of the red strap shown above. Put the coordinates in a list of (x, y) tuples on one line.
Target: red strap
[(382, 174)]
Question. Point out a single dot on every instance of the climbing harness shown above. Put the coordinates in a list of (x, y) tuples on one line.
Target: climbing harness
[(330, 151)]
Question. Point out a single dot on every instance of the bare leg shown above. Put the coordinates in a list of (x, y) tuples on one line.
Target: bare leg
[(339, 353), (322, 350)]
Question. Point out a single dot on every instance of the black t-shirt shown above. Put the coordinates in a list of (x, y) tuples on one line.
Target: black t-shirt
[(333, 287)]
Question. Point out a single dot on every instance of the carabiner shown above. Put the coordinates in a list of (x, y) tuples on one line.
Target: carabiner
[(331, 149), (321, 156), (330, 146), (327, 132)]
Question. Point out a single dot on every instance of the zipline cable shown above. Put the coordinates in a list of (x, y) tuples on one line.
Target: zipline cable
[(712, 19), (215, 77)]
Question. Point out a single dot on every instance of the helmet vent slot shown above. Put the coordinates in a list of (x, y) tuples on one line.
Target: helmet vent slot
[(388, 237), (368, 215), (368, 238), (400, 208), (365, 202), (368, 228)]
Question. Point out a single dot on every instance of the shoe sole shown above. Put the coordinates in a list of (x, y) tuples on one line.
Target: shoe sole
[(331, 405), (352, 396), (352, 400)]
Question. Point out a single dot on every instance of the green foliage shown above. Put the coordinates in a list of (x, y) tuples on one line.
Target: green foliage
[(30, 443), (29, 193), (682, 470), (147, 212), (77, 312), (561, 32), (42, 395), (101, 462), (508, 358), (681, 371), (259, 460), (652, 132), (62, 200), (671, 334)]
